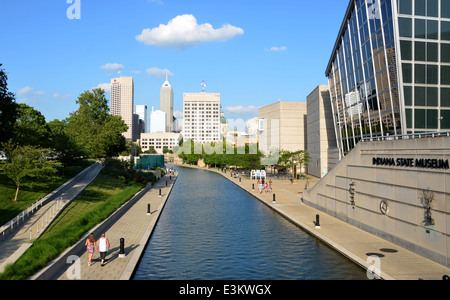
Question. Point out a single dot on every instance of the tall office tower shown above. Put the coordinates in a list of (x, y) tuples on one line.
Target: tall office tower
[(166, 103), (389, 72), (158, 121), (141, 110), (122, 102), (201, 117)]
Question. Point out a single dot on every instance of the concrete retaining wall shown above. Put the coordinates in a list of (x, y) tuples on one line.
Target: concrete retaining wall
[(389, 193)]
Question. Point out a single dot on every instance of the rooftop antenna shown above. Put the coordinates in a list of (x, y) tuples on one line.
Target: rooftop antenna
[(203, 85)]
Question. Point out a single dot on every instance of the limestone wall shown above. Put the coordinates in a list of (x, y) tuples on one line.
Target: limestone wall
[(391, 181)]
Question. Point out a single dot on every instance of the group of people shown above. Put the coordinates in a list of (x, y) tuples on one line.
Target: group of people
[(265, 186), (102, 245)]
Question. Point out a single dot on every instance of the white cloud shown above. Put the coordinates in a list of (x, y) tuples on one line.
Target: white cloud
[(59, 96), (112, 66), (241, 109), (25, 91), (105, 86), (157, 72), (183, 31), (278, 49)]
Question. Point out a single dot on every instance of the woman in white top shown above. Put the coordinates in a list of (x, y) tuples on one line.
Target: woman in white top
[(102, 247)]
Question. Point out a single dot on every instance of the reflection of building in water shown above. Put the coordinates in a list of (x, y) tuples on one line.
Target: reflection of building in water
[(389, 73)]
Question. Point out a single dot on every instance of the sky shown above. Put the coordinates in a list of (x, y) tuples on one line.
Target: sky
[(254, 53)]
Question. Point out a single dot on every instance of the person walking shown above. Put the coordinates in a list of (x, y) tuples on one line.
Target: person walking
[(103, 247), (90, 247)]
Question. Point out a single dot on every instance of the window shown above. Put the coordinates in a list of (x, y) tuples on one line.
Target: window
[(445, 31), (432, 52), (420, 8), (419, 118), (419, 31), (432, 74), (432, 8), (405, 7), (445, 9), (445, 53), (419, 50), (419, 73), (406, 50), (445, 97), (432, 29), (405, 27), (407, 73), (419, 96), (445, 119), (445, 75), (408, 95)]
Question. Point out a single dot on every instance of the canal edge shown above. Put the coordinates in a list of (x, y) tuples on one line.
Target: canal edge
[(132, 265)]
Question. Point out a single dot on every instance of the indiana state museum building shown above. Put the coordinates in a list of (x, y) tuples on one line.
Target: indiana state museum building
[(389, 85)]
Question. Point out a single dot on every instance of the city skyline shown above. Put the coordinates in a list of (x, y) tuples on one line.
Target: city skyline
[(252, 53)]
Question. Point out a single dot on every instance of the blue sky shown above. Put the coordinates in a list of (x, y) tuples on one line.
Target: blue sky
[(251, 52)]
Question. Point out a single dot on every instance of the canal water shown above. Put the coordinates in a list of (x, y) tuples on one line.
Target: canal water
[(211, 229)]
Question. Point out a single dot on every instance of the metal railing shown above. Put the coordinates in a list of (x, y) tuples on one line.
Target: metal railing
[(407, 136), (47, 217), (15, 222)]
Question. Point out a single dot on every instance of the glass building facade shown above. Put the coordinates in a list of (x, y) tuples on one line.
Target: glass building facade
[(389, 73)]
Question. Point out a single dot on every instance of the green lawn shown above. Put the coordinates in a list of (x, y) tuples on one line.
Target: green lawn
[(10, 209), (98, 201)]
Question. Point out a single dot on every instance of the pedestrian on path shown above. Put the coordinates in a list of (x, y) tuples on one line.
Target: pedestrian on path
[(103, 247), (90, 247)]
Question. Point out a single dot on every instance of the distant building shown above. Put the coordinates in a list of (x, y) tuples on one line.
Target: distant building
[(166, 104), (282, 126), (122, 102), (141, 111), (201, 117), (158, 121), (159, 141)]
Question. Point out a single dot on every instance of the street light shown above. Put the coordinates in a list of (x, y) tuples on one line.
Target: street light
[(294, 170)]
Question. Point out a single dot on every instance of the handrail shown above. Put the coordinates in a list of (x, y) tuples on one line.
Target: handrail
[(24, 214), (420, 135)]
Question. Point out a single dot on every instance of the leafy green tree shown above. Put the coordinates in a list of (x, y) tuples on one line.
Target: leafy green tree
[(8, 109), (287, 159), (94, 130), (29, 166), (31, 128), (65, 148)]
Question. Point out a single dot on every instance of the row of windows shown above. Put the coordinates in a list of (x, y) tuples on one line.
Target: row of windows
[(425, 74), (424, 29), (426, 8), (427, 119), (426, 96), (425, 51)]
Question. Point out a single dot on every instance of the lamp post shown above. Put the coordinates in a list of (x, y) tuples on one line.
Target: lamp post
[(294, 170)]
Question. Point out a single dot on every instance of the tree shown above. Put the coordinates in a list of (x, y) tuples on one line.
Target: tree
[(31, 127), (29, 166), (65, 148), (94, 130), (8, 109), (287, 158)]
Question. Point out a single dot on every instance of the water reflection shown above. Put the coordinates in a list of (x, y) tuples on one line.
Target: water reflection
[(212, 230)]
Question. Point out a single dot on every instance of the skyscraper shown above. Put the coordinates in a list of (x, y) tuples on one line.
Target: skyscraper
[(158, 121), (201, 117), (122, 102), (141, 110), (166, 103)]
